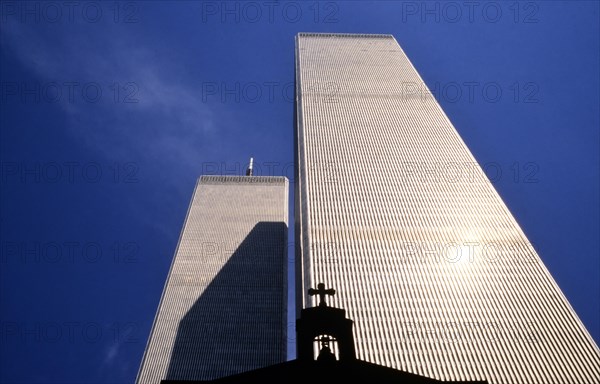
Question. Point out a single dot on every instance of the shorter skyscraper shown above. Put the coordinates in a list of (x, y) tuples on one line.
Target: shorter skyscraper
[(224, 306)]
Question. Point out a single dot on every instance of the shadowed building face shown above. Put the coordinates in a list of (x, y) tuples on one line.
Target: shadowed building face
[(223, 309), (395, 213)]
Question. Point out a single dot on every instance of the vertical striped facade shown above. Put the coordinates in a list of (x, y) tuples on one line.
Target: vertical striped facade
[(224, 306), (393, 211)]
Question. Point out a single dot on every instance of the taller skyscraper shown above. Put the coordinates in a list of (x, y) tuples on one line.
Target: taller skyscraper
[(393, 211), (224, 306)]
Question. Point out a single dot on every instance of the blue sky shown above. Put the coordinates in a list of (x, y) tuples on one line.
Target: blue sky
[(110, 111)]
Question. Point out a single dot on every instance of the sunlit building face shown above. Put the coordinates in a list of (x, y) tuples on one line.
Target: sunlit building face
[(394, 212)]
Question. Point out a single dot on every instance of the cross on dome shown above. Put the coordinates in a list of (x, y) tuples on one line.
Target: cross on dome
[(321, 291)]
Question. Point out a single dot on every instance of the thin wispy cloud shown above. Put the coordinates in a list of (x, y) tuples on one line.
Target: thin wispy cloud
[(119, 96)]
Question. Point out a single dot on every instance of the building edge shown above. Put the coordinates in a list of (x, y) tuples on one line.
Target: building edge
[(162, 295)]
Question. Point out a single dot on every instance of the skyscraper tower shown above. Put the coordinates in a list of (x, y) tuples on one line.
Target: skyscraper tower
[(224, 306), (393, 210)]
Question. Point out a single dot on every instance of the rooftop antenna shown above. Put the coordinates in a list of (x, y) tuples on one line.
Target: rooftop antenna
[(249, 170)]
